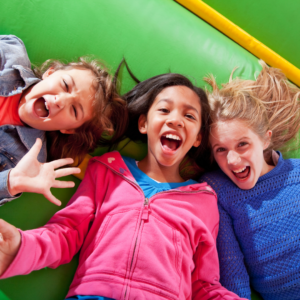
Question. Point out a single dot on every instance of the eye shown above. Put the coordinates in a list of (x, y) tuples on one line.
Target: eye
[(164, 110), (190, 116), (241, 144), (66, 85), (220, 149), (75, 111)]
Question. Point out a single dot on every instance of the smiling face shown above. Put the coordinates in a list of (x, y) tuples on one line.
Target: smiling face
[(239, 152), (172, 126), (61, 101)]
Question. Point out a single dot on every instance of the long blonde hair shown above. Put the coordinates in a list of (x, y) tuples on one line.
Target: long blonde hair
[(270, 102)]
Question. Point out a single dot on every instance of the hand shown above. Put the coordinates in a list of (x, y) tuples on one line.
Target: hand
[(31, 176), (10, 241)]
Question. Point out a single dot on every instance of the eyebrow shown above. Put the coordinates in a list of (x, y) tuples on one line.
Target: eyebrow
[(242, 138), (186, 105), (79, 104), (73, 81), (81, 107)]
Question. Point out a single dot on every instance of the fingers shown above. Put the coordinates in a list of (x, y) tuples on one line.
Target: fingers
[(35, 149), (67, 171), (7, 230), (52, 199), (61, 162), (63, 184)]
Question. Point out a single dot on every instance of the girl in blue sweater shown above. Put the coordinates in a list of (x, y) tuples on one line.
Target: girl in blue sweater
[(258, 191)]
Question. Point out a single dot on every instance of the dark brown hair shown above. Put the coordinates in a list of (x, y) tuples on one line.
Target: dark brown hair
[(142, 96), (109, 113)]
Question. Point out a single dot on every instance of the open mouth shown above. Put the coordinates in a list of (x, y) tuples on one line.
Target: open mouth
[(170, 142), (41, 108), (243, 173)]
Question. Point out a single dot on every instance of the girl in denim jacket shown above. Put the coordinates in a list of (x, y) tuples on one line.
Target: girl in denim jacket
[(74, 103), (144, 232)]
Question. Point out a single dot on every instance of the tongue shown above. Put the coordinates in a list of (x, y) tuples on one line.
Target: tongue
[(40, 109), (243, 174), (169, 143)]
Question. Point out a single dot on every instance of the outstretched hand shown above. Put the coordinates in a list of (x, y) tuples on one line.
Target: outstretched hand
[(10, 241), (30, 175)]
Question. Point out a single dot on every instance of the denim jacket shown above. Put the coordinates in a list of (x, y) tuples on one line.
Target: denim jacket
[(15, 141)]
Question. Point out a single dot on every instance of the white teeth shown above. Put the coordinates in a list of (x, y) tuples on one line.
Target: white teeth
[(173, 137), (240, 170), (46, 105)]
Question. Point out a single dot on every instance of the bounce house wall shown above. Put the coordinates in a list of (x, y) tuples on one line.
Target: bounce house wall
[(154, 36), (274, 23)]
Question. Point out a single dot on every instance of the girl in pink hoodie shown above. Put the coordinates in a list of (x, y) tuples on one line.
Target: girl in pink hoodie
[(144, 232)]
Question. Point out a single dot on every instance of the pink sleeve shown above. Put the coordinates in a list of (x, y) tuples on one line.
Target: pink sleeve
[(61, 238), (206, 276)]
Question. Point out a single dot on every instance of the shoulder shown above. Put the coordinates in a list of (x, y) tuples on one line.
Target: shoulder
[(111, 160), (286, 171), (11, 41), (216, 179), (290, 164), (13, 52)]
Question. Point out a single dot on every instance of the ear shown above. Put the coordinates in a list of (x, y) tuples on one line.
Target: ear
[(142, 123), (67, 131), (48, 72), (268, 136), (198, 140)]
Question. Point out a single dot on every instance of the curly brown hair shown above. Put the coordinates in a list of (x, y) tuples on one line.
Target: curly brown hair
[(109, 113)]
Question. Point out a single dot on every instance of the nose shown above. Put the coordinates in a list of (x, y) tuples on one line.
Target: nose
[(175, 120), (233, 158), (60, 102)]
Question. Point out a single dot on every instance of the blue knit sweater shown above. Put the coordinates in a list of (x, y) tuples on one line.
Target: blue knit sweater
[(259, 235)]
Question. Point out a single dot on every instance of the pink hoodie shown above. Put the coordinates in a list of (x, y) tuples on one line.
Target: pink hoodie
[(131, 247)]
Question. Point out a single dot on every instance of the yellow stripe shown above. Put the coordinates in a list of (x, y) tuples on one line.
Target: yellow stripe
[(254, 46)]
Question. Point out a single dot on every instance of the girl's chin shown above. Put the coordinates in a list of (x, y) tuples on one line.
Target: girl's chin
[(245, 184)]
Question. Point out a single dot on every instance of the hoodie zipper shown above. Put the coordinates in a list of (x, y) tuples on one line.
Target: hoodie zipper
[(145, 212)]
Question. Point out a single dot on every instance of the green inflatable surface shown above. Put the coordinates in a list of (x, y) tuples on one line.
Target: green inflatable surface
[(154, 36), (274, 23)]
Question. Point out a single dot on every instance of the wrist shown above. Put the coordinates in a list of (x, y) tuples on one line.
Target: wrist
[(14, 183)]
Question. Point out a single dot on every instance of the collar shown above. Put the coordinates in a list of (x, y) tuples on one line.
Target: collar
[(115, 162), (28, 136)]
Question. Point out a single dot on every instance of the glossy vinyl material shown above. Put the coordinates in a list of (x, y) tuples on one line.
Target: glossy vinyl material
[(155, 37)]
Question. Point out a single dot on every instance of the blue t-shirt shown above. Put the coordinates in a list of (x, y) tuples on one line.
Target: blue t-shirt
[(149, 186)]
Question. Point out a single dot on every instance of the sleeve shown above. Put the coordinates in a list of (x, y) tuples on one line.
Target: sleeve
[(206, 275), (234, 275), (61, 238), (205, 278), (5, 195), (12, 52)]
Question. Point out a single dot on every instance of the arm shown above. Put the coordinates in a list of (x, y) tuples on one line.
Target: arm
[(56, 242), (234, 275), (205, 278), (12, 52), (206, 275)]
